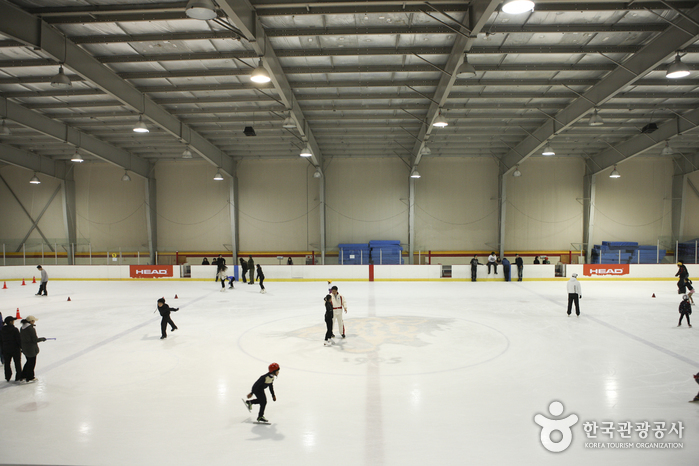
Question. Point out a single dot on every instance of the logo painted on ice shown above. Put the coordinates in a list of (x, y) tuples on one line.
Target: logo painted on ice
[(548, 426), (594, 269)]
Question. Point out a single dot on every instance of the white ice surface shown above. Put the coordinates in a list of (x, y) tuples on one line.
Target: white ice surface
[(430, 373)]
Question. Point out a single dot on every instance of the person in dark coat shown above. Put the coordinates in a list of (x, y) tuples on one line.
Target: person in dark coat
[(506, 268), (244, 268), (251, 268), (11, 348), (165, 310), (261, 278), (220, 265), (474, 267), (684, 275), (289, 261), (685, 311), (258, 389), (536, 260), (520, 265), (205, 261), (30, 348), (329, 313)]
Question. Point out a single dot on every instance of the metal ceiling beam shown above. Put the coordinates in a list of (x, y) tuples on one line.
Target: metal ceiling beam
[(69, 135), (242, 14), (24, 27), (31, 161), (635, 67)]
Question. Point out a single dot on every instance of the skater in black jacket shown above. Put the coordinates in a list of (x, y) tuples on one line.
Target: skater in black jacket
[(329, 314), (474, 267), (520, 265), (11, 348), (684, 275), (244, 268), (251, 268), (685, 310), (164, 310), (220, 265), (258, 389), (261, 278)]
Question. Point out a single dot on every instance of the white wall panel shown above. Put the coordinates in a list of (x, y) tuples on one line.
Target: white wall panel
[(456, 205), (278, 205), (367, 199), (543, 208), (193, 209), (638, 205), (111, 213), (15, 224)]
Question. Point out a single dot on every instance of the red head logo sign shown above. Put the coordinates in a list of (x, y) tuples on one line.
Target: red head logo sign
[(150, 271), (592, 270)]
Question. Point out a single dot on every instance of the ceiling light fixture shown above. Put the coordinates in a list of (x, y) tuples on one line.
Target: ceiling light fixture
[(596, 119), (306, 152), (667, 150), (187, 154), (426, 151), (515, 7), (35, 179), (126, 176), (61, 81), (517, 173), (259, 75), (4, 130), (677, 69), (440, 122), (466, 69), (76, 157), (548, 151), (289, 123), (140, 126), (317, 173), (614, 173), (414, 174), (201, 9), (218, 176)]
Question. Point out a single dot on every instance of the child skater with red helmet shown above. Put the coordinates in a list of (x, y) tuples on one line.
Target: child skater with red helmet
[(258, 389)]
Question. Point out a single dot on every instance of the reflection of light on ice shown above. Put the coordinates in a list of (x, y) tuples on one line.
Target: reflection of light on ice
[(85, 430), (222, 390), (416, 397), (309, 440), (611, 388)]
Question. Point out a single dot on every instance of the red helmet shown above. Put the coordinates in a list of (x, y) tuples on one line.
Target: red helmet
[(273, 367)]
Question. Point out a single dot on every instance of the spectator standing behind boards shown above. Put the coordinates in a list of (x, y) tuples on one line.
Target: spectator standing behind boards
[(205, 261), (251, 268), (289, 261), (520, 266), (683, 274), (474, 267), (11, 348), (574, 294), (243, 268), (536, 260), (685, 311), (261, 278), (44, 281), (493, 260), (30, 348)]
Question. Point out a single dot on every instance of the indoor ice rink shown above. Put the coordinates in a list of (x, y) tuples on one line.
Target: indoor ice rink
[(384, 145), (429, 372)]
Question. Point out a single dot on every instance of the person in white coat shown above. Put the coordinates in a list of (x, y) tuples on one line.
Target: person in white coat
[(574, 294), (493, 261), (339, 304)]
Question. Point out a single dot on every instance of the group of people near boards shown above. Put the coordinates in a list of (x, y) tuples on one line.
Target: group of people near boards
[(17, 342), (245, 266)]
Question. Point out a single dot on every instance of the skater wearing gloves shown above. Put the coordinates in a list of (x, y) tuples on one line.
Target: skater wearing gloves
[(30, 348), (261, 278), (328, 320), (574, 294), (165, 310), (685, 311), (11, 348), (258, 389), (223, 275), (44, 282), (339, 304)]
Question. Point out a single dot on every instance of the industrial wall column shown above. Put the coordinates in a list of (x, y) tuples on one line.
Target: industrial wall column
[(502, 198), (321, 196), (69, 216), (151, 214), (589, 182), (233, 205), (411, 220)]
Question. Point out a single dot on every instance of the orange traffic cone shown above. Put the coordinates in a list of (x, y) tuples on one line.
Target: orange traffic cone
[(175, 296), (23, 284), (4, 285), (68, 298), (653, 295), (33, 279), (18, 316)]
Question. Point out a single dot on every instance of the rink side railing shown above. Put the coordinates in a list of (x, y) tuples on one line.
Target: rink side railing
[(542, 272)]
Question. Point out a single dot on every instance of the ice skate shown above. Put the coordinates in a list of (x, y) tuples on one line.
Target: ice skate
[(247, 404), (222, 290), (262, 420), (327, 343)]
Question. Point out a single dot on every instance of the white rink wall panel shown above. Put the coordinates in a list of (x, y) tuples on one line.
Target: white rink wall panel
[(691, 209), (15, 223), (193, 209), (456, 205), (543, 206), (638, 205), (367, 199), (111, 213), (278, 206)]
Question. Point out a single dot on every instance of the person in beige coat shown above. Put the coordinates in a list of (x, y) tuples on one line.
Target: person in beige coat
[(339, 305)]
